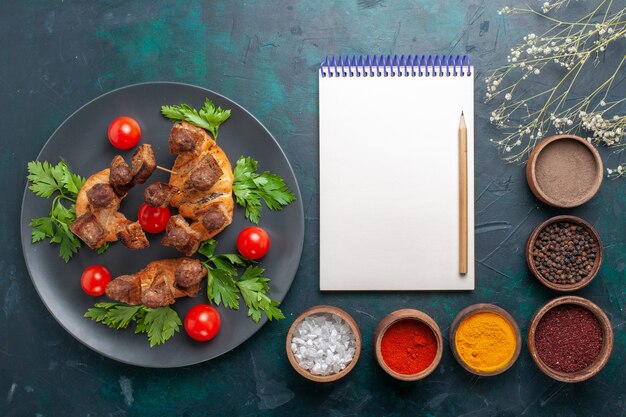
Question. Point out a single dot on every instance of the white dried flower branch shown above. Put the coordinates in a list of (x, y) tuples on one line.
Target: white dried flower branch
[(574, 47)]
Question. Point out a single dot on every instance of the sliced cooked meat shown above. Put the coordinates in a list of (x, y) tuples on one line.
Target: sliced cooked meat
[(100, 196), (179, 235), (159, 194), (133, 236), (88, 229), (205, 175), (189, 273), (143, 163), (126, 289), (155, 285), (183, 138), (213, 219), (158, 294), (120, 176)]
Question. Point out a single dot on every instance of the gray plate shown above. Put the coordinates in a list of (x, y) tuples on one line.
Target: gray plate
[(81, 140)]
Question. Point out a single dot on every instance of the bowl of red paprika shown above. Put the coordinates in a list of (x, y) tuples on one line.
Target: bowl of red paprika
[(408, 344)]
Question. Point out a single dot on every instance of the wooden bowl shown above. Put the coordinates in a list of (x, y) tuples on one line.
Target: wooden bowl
[(564, 287), (407, 314), (478, 308), (564, 171), (330, 310), (607, 340)]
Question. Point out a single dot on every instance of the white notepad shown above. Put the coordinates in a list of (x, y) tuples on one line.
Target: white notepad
[(389, 175)]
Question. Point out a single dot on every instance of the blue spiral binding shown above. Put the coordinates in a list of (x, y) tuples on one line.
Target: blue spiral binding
[(396, 66)]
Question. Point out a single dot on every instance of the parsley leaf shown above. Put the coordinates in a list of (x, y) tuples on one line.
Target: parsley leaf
[(224, 288), (249, 188), (42, 228), (209, 117), (47, 180), (253, 289), (71, 181), (103, 248), (160, 324), (114, 315)]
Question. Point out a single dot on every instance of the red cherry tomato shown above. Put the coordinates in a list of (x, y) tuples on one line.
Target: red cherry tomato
[(202, 322), (95, 279), (153, 219), (253, 242), (124, 132)]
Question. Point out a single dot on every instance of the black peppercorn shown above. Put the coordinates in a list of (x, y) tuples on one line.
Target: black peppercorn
[(564, 253)]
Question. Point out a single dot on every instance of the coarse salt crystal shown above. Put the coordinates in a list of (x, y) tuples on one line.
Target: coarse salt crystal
[(323, 344)]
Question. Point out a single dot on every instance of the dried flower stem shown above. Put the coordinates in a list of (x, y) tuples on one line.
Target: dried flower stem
[(571, 46)]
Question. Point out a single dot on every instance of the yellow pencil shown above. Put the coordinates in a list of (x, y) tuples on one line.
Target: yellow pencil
[(462, 196)]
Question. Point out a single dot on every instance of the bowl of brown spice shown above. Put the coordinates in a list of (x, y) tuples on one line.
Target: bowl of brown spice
[(570, 339), (564, 253), (564, 171)]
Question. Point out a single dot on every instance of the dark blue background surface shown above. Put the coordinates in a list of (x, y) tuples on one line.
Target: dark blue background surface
[(55, 56)]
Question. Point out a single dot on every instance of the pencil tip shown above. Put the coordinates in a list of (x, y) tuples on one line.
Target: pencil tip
[(461, 113)]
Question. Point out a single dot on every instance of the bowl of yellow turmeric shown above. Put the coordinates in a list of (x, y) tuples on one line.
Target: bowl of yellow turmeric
[(485, 339)]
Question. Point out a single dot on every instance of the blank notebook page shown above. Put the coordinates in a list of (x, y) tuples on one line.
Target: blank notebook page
[(389, 182)]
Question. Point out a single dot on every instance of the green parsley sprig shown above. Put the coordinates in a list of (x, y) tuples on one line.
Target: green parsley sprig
[(250, 187), (55, 180), (208, 117), (159, 324), (224, 288)]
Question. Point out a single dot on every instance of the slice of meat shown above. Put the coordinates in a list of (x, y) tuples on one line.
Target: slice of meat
[(189, 273), (179, 235), (126, 289), (184, 137), (214, 218), (156, 285), (159, 293), (133, 236), (101, 196), (205, 175), (159, 194), (88, 229), (143, 163), (120, 176)]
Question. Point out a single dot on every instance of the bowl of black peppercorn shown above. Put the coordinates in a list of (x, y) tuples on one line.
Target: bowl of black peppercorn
[(564, 253)]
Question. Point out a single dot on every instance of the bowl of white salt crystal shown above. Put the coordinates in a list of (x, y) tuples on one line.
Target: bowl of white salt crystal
[(323, 344)]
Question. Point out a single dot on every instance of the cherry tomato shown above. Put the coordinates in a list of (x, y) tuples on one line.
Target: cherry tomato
[(153, 219), (253, 242), (95, 279), (124, 132), (202, 322)]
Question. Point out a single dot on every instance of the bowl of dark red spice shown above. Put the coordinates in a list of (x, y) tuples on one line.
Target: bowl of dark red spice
[(564, 253), (570, 339), (408, 344), (564, 171), (485, 339), (323, 343)]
